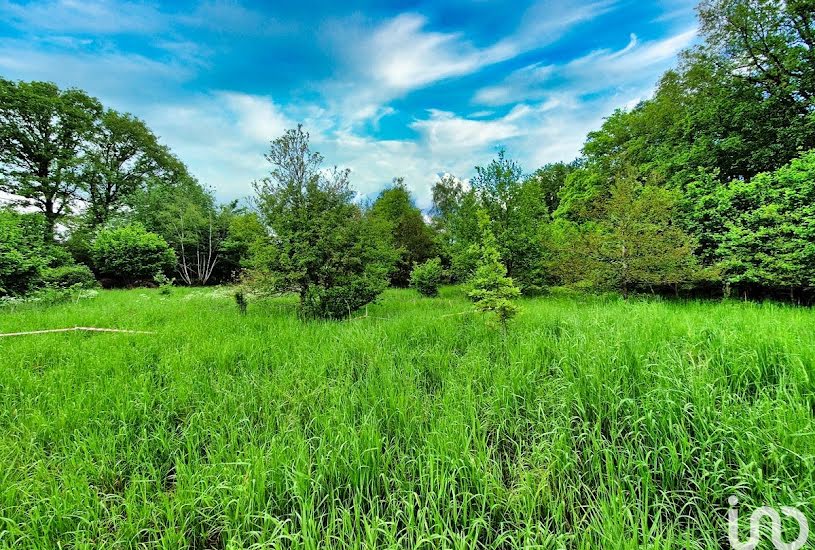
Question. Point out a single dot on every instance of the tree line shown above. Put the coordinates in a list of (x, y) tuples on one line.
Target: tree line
[(705, 189), (108, 197)]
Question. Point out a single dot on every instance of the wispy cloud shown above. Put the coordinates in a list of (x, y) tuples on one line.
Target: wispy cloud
[(403, 54), (85, 16), (596, 71)]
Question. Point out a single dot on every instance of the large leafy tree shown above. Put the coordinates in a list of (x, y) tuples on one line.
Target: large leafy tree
[(211, 241), (321, 246), (768, 43), (42, 132), (549, 180), (121, 157), (410, 234)]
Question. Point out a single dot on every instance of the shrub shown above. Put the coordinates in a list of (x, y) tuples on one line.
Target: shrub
[(165, 283), (130, 255), (342, 299), (67, 276), (22, 252), (426, 277)]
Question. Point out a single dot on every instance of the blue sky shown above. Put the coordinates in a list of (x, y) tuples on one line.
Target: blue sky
[(399, 88)]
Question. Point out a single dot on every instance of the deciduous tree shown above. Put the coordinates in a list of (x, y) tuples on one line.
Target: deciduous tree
[(42, 132)]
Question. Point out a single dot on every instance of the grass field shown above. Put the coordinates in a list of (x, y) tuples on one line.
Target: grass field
[(593, 424)]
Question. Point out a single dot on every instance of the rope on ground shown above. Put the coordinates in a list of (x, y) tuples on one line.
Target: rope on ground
[(72, 329), (459, 313)]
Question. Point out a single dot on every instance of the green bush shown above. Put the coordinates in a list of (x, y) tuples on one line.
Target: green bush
[(67, 276), (22, 252), (340, 300), (426, 277), (130, 255)]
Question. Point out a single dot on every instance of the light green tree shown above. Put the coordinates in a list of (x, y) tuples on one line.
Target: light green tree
[(490, 288), (641, 245)]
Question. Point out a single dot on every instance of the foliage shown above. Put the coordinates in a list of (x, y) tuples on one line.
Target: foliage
[(165, 283), (121, 157), (426, 277), (211, 242), (130, 255), (30, 262), (244, 231), (58, 147), (490, 288), (518, 208), (454, 217), (42, 129), (321, 246), (770, 238), (770, 44), (240, 301), (410, 235), (549, 180), (22, 252), (641, 245), (68, 276), (573, 259)]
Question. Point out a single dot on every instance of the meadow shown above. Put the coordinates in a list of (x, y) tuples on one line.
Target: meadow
[(592, 423)]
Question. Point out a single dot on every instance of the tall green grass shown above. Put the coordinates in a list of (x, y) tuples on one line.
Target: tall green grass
[(592, 424)]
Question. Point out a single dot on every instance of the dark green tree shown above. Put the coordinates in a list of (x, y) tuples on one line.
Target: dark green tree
[(767, 43), (410, 234), (548, 182), (321, 246), (121, 157), (42, 133)]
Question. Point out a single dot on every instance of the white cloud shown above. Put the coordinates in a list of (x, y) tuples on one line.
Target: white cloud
[(614, 67), (446, 131), (119, 79), (221, 136), (634, 64), (258, 117), (85, 16), (402, 54)]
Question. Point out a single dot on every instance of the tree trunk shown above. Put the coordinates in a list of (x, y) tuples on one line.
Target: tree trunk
[(50, 219)]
